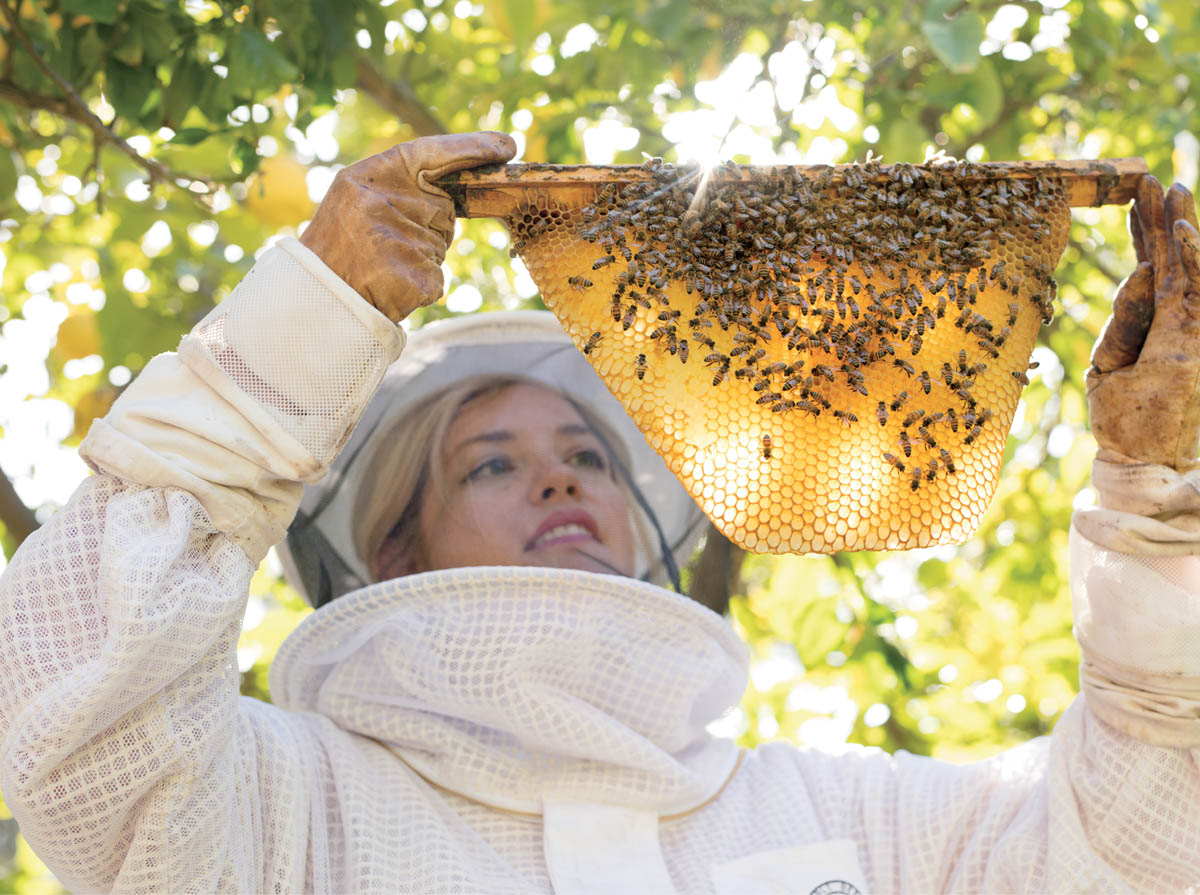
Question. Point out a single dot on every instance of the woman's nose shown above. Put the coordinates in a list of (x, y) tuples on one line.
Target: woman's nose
[(557, 479)]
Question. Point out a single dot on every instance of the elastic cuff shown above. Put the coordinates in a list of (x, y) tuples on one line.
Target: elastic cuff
[(1145, 509), (1160, 709)]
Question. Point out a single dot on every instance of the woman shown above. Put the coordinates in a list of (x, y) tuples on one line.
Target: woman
[(534, 726)]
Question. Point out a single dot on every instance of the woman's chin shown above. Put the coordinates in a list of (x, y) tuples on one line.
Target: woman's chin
[(590, 558)]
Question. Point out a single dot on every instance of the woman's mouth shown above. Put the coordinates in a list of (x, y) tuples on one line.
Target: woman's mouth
[(564, 528)]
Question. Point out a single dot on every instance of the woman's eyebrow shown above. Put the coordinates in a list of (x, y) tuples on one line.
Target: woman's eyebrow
[(575, 429), (506, 435), (497, 435)]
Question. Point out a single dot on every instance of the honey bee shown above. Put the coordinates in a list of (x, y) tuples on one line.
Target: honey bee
[(683, 351), (947, 460), (925, 437), (845, 417), (769, 398), (905, 443), (916, 345), (592, 341), (808, 407), (972, 435), (912, 418), (766, 446), (931, 473), (630, 316), (1013, 310), (916, 477), (781, 406), (640, 366), (881, 414), (894, 461), (899, 400), (952, 419), (923, 381), (719, 376), (603, 262)]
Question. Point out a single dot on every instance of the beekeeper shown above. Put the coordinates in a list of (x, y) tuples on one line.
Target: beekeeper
[(506, 706)]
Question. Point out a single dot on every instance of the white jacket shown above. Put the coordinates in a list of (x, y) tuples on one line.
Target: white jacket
[(512, 730)]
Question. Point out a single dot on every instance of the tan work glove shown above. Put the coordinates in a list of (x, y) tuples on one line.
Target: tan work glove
[(384, 228), (1144, 384)]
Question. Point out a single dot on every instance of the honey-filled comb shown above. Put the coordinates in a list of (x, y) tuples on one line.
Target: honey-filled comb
[(828, 359)]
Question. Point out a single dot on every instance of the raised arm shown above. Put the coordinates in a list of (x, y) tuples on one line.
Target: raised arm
[(123, 753)]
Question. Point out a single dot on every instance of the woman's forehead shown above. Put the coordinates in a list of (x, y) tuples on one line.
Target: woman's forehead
[(521, 407)]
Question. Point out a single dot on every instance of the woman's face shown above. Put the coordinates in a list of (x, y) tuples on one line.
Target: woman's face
[(527, 483)]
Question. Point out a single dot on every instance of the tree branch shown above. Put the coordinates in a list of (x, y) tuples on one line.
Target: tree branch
[(1094, 258), (397, 97), (73, 107), (18, 519), (10, 92)]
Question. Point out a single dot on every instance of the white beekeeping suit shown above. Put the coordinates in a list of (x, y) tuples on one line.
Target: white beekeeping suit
[(494, 730), (503, 730)]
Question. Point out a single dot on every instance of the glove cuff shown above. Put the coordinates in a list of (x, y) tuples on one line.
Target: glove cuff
[(1145, 508)]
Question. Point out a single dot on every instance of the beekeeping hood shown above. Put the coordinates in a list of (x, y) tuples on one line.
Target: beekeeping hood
[(323, 557)]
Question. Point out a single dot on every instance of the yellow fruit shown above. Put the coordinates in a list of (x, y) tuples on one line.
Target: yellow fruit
[(78, 335), (92, 406), (278, 194)]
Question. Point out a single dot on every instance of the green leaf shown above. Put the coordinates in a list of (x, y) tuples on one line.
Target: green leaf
[(955, 41), (521, 14), (817, 631), (128, 88), (131, 49), (49, 32), (190, 136), (243, 157), (983, 92), (8, 174), (901, 140), (106, 12), (256, 65)]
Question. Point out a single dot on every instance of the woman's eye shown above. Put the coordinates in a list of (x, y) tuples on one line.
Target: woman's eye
[(493, 467), (589, 459)]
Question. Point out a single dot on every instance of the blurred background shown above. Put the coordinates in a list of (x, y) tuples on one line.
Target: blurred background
[(149, 150)]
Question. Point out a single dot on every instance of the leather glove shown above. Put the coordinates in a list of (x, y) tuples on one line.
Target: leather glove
[(384, 228), (1144, 384)]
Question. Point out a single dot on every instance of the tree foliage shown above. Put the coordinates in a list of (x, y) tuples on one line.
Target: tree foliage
[(148, 149)]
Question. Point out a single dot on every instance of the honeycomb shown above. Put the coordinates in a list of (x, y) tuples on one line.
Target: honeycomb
[(826, 364)]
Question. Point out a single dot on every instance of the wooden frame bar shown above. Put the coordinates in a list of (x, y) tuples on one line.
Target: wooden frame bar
[(496, 190)]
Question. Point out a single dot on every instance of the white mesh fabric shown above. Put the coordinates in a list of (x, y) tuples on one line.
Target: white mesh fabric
[(514, 685), (132, 765), (1134, 619), (310, 362), (257, 400), (120, 618)]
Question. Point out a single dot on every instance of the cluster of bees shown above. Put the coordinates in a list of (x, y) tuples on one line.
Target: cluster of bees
[(806, 287)]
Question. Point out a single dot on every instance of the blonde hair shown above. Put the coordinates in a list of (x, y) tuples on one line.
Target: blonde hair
[(402, 472)]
